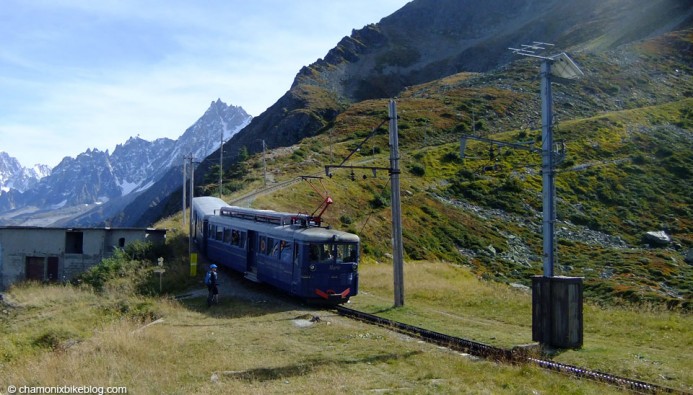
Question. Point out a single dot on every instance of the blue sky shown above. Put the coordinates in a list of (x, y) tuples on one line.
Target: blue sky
[(79, 74)]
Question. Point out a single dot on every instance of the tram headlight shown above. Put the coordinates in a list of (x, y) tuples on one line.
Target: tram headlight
[(312, 268)]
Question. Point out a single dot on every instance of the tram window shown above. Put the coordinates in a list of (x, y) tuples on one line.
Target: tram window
[(286, 251), (235, 238), (321, 252), (244, 236), (219, 233), (314, 254), (271, 246), (227, 235), (346, 253), (263, 244)]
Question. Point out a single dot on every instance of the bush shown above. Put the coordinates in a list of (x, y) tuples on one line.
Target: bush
[(451, 157), (298, 155), (54, 338), (418, 170), (512, 184), (130, 263), (380, 201)]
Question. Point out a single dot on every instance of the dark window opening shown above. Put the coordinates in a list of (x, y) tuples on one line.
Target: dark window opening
[(121, 242), (74, 243)]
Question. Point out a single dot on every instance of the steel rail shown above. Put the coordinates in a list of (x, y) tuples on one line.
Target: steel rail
[(508, 356)]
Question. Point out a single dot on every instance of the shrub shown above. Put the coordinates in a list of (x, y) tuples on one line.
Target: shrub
[(512, 184), (418, 170), (380, 201), (451, 157), (639, 159), (129, 263), (298, 155), (430, 212), (54, 338)]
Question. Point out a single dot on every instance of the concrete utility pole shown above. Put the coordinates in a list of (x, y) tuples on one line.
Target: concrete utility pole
[(221, 160), (192, 195), (563, 68), (548, 170), (394, 171), (185, 176), (397, 245), (264, 163)]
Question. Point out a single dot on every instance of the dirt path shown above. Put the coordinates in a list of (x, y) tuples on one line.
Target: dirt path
[(232, 285)]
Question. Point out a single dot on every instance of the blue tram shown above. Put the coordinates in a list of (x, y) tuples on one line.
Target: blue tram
[(288, 251)]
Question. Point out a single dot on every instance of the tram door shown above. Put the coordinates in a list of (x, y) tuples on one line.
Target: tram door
[(205, 234), (252, 252)]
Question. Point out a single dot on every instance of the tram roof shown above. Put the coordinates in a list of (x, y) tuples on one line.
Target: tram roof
[(275, 223)]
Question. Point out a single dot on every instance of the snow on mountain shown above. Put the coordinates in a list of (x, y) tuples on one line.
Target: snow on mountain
[(95, 179), (138, 160), (204, 136), (14, 176)]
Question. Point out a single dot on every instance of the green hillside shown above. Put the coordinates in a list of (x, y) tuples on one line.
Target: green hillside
[(628, 170)]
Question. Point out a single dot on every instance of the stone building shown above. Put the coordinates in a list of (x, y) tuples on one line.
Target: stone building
[(59, 254)]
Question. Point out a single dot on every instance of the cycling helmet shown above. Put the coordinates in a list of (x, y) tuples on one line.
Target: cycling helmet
[(213, 266)]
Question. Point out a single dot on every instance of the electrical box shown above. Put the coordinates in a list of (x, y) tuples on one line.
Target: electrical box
[(557, 311)]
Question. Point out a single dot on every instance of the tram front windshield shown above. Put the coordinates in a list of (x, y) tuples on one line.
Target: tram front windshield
[(329, 252)]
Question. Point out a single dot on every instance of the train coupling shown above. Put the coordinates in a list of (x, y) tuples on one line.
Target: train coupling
[(332, 296)]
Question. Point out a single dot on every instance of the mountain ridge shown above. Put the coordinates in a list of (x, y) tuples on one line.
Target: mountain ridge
[(99, 181), (13, 175), (380, 60)]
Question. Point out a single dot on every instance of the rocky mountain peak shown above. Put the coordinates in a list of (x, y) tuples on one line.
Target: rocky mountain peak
[(15, 176), (98, 179)]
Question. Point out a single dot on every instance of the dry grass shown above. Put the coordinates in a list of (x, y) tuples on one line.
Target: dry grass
[(248, 346), (448, 298), (643, 342)]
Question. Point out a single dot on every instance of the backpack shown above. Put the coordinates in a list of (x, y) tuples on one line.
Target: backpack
[(208, 278)]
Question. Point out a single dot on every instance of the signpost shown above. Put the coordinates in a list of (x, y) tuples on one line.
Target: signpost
[(160, 270), (193, 264)]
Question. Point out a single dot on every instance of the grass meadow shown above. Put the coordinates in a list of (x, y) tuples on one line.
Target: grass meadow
[(67, 335)]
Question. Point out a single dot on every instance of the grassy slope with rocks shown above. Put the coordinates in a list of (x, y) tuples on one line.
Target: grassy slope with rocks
[(628, 170)]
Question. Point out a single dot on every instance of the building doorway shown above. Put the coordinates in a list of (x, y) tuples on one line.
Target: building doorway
[(39, 268)]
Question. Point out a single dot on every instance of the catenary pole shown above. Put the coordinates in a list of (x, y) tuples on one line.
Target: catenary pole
[(547, 169), (394, 171), (398, 256), (221, 160), (185, 176), (192, 192), (264, 163)]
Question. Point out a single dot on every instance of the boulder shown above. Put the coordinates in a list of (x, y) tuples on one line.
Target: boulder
[(656, 238), (688, 258)]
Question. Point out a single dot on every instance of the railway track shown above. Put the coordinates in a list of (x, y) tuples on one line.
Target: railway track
[(250, 196), (507, 356)]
